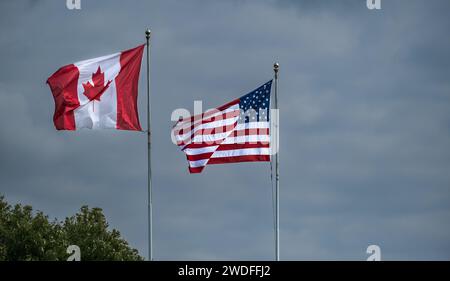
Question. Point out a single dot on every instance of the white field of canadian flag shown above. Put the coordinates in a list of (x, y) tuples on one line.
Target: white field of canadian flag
[(98, 93)]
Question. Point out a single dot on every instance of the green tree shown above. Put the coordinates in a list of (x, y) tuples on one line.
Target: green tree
[(28, 236)]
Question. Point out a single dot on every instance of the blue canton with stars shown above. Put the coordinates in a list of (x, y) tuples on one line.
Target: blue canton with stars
[(255, 106)]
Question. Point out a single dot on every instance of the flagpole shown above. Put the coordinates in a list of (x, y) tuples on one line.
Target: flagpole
[(149, 158), (277, 170)]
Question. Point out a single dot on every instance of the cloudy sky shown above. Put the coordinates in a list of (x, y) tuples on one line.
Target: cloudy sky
[(365, 124)]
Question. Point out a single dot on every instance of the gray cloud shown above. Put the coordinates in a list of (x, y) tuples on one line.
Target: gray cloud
[(365, 124)]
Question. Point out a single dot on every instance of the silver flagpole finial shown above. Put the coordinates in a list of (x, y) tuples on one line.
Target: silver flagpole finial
[(276, 66), (147, 33)]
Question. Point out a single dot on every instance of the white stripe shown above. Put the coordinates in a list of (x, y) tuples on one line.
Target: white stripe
[(195, 151), (241, 152), (253, 125), (198, 163), (248, 138), (216, 124), (188, 123), (212, 138)]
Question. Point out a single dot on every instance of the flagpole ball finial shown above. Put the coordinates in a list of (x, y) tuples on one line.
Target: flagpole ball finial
[(147, 33), (276, 66)]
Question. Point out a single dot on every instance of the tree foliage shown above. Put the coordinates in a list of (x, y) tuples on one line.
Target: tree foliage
[(27, 235)]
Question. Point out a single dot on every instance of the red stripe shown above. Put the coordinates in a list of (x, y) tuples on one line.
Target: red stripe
[(127, 89), (196, 170), (224, 147), (236, 159), (63, 84), (246, 144), (199, 156)]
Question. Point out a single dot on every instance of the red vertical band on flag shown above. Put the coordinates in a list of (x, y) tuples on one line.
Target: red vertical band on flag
[(127, 89), (63, 84)]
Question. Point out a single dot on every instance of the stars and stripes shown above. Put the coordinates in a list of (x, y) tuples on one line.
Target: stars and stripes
[(235, 132)]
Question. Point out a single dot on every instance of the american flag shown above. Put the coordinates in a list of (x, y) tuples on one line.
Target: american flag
[(235, 132)]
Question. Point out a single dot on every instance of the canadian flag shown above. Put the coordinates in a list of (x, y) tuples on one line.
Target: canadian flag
[(98, 93)]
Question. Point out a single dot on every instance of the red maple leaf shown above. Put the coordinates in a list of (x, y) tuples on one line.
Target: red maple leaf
[(94, 92)]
